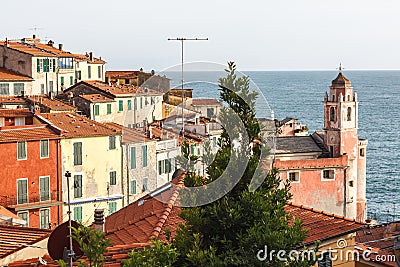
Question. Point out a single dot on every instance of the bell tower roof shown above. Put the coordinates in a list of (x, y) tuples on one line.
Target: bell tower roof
[(341, 81)]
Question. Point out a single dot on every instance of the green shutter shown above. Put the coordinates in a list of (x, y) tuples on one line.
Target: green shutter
[(133, 187), (133, 157), (22, 191), (38, 65), (78, 153), (62, 81), (78, 214), (129, 104), (96, 110), (54, 65), (144, 156), (120, 105), (44, 188), (141, 102), (108, 108), (71, 80), (135, 103)]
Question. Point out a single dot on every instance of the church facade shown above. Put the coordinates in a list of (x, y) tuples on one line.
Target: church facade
[(327, 169)]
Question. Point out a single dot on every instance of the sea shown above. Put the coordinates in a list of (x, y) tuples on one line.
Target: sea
[(300, 94)]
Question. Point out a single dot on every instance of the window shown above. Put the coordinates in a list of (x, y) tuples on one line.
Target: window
[(96, 110), (44, 218), (19, 121), (22, 191), (112, 207), (351, 183), (42, 89), (362, 152), (99, 72), (333, 98), (294, 177), (129, 104), (120, 105), (44, 183), (21, 150), (135, 103), (144, 156), (78, 214), (18, 88), (4, 89), (112, 142), (325, 260), (160, 167), (78, 153), (214, 141), (108, 108), (78, 75), (348, 98), (24, 215), (145, 187), (210, 112), (127, 81), (192, 148), (71, 80), (51, 65), (44, 148), (51, 86), (89, 70), (78, 186), (113, 177), (65, 63), (62, 81), (332, 114), (146, 101), (167, 164), (141, 102), (133, 187), (328, 174), (331, 151), (348, 114), (133, 157)]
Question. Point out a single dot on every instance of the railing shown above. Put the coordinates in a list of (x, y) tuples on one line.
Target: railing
[(166, 145), (33, 199)]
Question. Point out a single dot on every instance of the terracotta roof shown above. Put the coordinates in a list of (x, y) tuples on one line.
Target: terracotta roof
[(52, 49), (378, 232), (341, 81), (146, 218), (122, 73), (52, 104), (322, 225), (7, 213), (118, 90), (130, 135), (30, 49), (26, 133), (296, 144), (12, 99), (8, 75), (373, 255), (205, 102), (81, 57), (13, 238), (74, 125), (19, 112), (96, 98)]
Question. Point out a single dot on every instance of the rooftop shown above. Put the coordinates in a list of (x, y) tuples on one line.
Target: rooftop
[(74, 125), (96, 98), (51, 104), (296, 144), (30, 49), (13, 238), (12, 100), (13, 113), (8, 75), (205, 102), (26, 133), (341, 81), (130, 135)]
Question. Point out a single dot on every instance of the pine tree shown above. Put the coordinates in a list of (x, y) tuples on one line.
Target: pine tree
[(233, 229)]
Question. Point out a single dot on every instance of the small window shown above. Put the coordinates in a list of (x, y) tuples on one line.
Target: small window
[(45, 218), (133, 157), (133, 187), (24, 215), (19, 121), (348, 114), (351, 183), (71, 80), (62, 81), (112, 207), (96, 110), (144, 156), (294, 177), (77, 153), (4, 89), (127, 81), (141, 102), (78, 186), (362, 152), (112, 142), (328, 174), (333, 98), (108, 108), (44, 148), (21, 150), (44, 184), (18, 88), (160, 167), (89, 72), (22, 191), (348, 98), (120, 105), (145, 187), (78, 214), (99, 71), (325, 260), (113, 177), (332, 114), (129, 104)]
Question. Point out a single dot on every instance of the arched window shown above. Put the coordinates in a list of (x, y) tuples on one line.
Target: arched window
[(348, 97), (348, 114), (332, 114), (333, 98)]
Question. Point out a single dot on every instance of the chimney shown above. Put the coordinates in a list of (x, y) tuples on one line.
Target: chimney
[(7, 43), (60, 46), (34, 36), (50, 43), (99, 219), (150, 132), (36, 109), (91, 56)]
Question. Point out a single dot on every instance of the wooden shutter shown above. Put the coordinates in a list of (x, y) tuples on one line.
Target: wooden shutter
[(133, 157), (38, 65), (78, 153), (144, 156), (54, 65)]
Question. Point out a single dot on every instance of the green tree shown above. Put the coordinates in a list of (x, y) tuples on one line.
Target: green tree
[(232, 230)]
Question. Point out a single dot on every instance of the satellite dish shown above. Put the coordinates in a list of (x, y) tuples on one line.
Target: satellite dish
[(59, 239)]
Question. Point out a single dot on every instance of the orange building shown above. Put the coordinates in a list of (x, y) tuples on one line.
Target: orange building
[(327, 169), (31, 169)]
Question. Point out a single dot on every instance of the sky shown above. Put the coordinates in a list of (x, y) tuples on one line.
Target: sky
[(256, 34)]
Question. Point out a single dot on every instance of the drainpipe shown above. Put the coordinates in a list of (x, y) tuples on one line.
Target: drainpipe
[(127, 172), (58, 144), (345, 193)]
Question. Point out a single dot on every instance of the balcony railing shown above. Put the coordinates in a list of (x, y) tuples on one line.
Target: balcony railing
[(166, 145), (31, 200)]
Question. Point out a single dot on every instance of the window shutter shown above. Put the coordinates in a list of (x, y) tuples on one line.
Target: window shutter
[(133, 187), (144, 156), (54, 65), (38, 65), (133, 157), (78, 153)]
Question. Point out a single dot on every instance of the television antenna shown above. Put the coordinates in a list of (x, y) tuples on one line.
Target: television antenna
[(182, 40), (35, 28)]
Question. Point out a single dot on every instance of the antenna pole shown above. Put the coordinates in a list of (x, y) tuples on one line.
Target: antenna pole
[(71, 249), (182, 80)]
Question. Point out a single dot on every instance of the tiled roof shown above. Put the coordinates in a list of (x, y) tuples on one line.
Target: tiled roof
[(205, 102), (80, 57), (296, 144), (51, 104), (146, 218), (5, 212), (322, 225), (26, 133), (8, 75), (341, 80), (377, 255), (96, 98), (74, 125), (19, 112), (12, 99), (30, 49), (120, 90), (130, 135), (122, 73), (13, 238), (378, 232)]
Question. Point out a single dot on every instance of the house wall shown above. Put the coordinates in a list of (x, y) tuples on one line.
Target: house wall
[(12, 59), (83, 67), (95, 175), (31, 168), (26, 253), (27, 87)]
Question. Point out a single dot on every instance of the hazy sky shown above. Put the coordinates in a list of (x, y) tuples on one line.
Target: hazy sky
[(258, 35)]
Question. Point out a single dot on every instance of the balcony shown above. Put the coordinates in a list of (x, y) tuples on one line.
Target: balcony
[(166, 145), (31, 201)]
